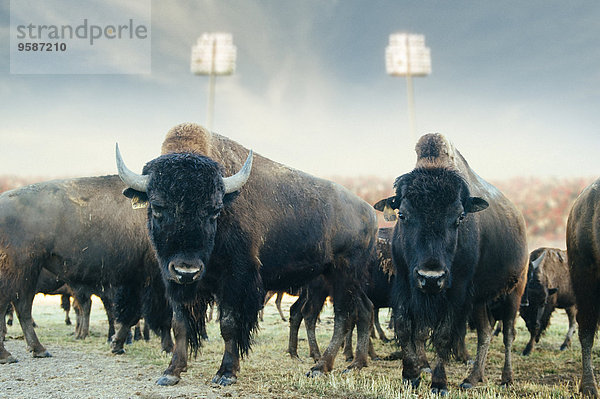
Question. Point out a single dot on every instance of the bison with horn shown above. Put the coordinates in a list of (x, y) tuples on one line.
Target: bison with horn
[(236, 237)]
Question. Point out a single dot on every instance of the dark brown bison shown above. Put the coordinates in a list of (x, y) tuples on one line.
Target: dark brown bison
[(548, 287), (458, 244), (83, 231), (237, 237), (583, 247)]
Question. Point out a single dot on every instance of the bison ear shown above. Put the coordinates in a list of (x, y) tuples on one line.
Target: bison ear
[(138, 199), (476, 204), (387, 206)]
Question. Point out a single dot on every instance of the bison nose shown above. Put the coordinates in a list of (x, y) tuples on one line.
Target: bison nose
[(432, 281), (185, 271)]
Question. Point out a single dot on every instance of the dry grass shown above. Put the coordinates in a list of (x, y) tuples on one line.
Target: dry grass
[(270, 372)]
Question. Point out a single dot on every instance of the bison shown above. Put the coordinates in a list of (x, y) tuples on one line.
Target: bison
[(548, 287), (583, 247), (458, 244), (82, 231), (237, 237)]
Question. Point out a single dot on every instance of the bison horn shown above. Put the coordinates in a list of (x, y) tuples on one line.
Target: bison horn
[(538, 260), (133, 180), (235, 182)]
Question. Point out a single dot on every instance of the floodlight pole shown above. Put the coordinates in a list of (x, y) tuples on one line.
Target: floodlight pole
[(412, 124), (211, 87), (406, 55), (214, 54)]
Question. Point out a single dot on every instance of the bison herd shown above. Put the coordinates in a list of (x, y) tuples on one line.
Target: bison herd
[(223, 225)]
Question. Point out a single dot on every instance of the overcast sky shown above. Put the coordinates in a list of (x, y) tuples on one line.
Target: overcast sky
[(515, 86)]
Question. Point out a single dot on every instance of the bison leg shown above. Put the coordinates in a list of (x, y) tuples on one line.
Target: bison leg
[(310, 323), (23, 309), (378, 326), (110, 316), (310, 312), (278, 299), (295, 321), (9, 314), (587, 318), (230, 364), (65, 304), (439, 382), (5, 356), (119, 339), (571, 311), (84, 325), (508, 333), (137, 331), (484, 335), (341, 326), (462, 354), (348, 352), (364, 323), (529, 347), (171, 375)]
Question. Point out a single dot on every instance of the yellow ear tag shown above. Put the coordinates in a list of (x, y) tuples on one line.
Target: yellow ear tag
[(138, 203), (389, 214)]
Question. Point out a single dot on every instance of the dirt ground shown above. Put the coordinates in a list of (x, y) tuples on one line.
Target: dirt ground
[(74, 374)]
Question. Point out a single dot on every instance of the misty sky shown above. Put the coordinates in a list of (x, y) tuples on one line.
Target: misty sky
[(515, 86)]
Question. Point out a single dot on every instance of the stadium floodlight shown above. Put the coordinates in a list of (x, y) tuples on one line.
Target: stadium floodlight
[(214, 54), (406, 55)]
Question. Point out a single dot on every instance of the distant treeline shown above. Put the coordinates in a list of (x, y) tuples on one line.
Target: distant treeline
[(545, 202)]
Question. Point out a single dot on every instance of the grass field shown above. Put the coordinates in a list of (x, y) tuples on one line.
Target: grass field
[(269, 372)]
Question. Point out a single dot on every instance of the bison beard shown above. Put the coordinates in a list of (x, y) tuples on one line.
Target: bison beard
[(433, 315)]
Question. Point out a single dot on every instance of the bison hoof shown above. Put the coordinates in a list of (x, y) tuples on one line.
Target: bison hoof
[(394, 356), (564, 346), (466, 385), (297, 358), (168, 380), (413, 382), (224, 380), (589, 390), (118, 351), (315, 373), (8, 360), (439, 391), (44, 353)]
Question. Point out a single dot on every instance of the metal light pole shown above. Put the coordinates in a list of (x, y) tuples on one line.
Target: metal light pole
[(214, 54), (406, 55)]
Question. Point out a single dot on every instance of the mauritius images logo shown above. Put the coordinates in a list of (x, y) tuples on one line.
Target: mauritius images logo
[(74, 37)]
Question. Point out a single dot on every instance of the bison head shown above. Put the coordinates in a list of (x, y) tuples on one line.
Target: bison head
[(185, 194), (431, 206)]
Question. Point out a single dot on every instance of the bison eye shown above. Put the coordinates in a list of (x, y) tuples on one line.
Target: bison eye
[(401, 216), (157, 212), (214, 216), (460, 218)]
